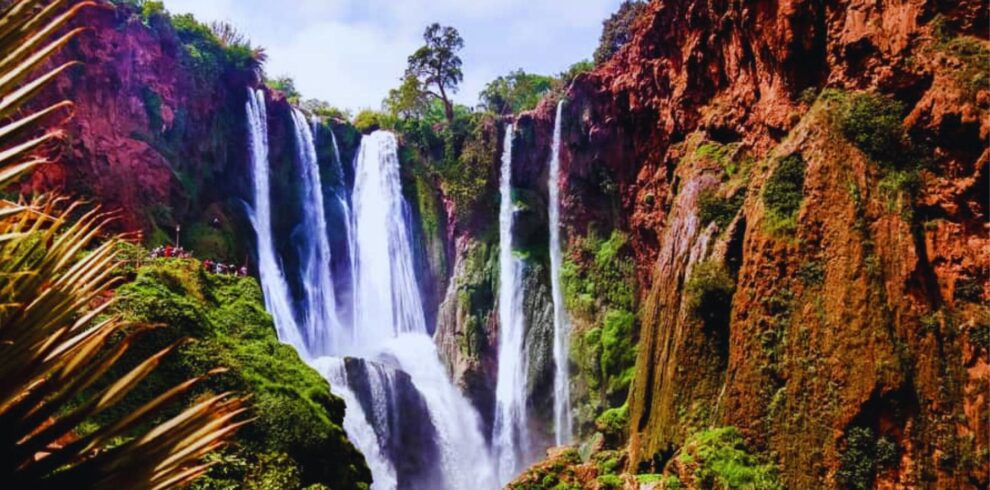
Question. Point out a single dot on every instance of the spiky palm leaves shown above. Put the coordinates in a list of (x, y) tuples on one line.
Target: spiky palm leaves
[(55, 326)]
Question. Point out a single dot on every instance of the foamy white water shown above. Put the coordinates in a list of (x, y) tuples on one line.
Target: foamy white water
[(388, 298), (510, 436), (561, 321), (273, 284), (322, 328)]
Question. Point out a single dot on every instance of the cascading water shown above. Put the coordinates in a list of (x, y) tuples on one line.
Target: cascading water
[(321, 326), (510, 435), (357, 426), (273, 284), (391, 324), (388, 299), (414, 427), (561, 322), (344, 199)]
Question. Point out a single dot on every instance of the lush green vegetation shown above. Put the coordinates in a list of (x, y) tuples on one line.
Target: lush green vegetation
[(709, 293), (784, 193), (864, 455), (719, 458), (555, 474), (297, 439), (874, 123), (617, 29), (516, 92), (972, 53), (718, 209), (287, 86), (598, 278), (612, 423)]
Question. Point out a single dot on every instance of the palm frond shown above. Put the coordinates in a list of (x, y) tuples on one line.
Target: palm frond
[(56, 334)]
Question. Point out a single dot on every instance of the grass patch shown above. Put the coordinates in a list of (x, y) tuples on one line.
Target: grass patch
[(784, 193), (721, 459)]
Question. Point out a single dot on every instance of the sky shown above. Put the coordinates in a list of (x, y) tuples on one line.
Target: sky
[(351, 52)]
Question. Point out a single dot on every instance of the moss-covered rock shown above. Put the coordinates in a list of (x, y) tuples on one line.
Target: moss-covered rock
[(719, 458), (296, 438), (600, 293)]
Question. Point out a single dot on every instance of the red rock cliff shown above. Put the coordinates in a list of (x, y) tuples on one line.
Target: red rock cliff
[(868, 311)]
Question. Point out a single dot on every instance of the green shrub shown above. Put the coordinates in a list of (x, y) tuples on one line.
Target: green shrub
[(150, 8), (864, 454), (516, 92), (613, 424), (583, 66), (618, 350), (713, 208), (609, 482), (721, 460), (466, 174), (367, 121), (709, 293), (784, 193), (874, 123), (287, 86)]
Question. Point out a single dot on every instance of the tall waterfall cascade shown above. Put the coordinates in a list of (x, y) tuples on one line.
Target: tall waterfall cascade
[(278, 301), (561, 322), (510, 436), (416, 430), (321, 326), (388, 298)]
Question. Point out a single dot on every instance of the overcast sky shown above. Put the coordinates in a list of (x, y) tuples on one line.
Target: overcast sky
[(351, 52)]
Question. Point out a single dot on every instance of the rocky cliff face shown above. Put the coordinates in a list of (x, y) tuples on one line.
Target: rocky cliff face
[(158, 131), (796, 281)]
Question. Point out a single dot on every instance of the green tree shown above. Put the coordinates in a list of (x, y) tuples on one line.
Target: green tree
[(287, 86), (617, 30), (437, 66), (516, 92), (408, 100)]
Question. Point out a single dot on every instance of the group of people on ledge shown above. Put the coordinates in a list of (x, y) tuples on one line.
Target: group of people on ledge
[(215, 267)]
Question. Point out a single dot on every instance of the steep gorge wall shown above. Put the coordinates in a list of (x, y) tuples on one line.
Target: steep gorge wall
[(868, 309), (158, 132)]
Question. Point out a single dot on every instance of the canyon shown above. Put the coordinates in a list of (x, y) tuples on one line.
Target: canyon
[(715, 233)]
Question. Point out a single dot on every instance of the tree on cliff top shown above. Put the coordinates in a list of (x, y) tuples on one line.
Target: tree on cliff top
[(617, 30), (437, 66), (516, 92)]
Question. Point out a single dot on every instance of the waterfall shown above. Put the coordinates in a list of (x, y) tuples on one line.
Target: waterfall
[(273, 284), (344, 199), (390, 318), (388, 299), (321, 327), (358, 428), (510, 436), (561, 322)]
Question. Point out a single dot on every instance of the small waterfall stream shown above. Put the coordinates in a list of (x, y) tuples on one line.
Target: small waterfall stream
[(510, 433), (561, 322)]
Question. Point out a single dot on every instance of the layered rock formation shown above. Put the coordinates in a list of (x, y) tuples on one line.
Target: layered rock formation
[(864, 310)]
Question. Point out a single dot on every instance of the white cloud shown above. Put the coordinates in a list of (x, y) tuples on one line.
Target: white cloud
[(351, 52)]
